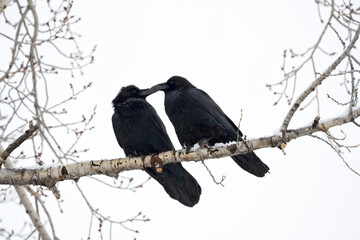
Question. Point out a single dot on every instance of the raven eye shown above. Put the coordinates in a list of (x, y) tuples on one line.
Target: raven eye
[(134, 90), (171, 82)]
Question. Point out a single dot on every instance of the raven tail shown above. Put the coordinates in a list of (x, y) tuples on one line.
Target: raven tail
[(178, 183), (251, 163)]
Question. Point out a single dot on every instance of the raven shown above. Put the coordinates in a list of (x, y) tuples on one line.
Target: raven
[(140, 131), (196, 117)]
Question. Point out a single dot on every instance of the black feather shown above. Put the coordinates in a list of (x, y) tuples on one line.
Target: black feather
[(197, 117), (140, 131)]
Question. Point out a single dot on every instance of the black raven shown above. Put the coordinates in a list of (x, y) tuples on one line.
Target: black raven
[(140, 131), (196, 117)]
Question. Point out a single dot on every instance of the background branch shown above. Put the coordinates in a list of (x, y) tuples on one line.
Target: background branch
[(25, 201), (28, 133), (318, 81), (41, 79)]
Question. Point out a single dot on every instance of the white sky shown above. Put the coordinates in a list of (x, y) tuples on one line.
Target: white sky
[(230, 49)]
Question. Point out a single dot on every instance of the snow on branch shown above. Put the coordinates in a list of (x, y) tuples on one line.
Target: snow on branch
[(49, 176)]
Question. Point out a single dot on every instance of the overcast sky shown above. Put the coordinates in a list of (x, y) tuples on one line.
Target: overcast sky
[(231, 50)]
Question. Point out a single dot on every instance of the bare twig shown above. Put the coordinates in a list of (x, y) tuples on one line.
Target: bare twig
[(27, 134), (38, 197), (318, 81), (212, 175), (310, 53), (338, 153), (101, 218), (238, 127)]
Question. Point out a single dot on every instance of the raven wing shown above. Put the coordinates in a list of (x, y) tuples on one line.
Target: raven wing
[(145, 134), (142, 134), (250, 162), (210, 113)]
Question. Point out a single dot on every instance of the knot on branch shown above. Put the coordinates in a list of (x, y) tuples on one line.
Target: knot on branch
[(282, 145), (64, 171), (280, 142), (95, 165), (156, 163), (316, 121), (232, 148)]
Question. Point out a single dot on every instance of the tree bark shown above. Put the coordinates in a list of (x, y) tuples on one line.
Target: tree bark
[(25, 201), (49, 176)]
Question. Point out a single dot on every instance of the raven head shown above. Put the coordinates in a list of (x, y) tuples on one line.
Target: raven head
[(174, 83), (131, 91)]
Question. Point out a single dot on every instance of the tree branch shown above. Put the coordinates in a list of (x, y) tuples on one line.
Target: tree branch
[(318, 81), (4, 4), (28, 133), (49, 176), (25, 201)]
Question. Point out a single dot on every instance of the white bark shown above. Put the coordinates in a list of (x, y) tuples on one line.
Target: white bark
[(49, 176), (25, 201)]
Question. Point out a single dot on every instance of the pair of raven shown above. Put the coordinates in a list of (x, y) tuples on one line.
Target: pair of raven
[(195, 116)]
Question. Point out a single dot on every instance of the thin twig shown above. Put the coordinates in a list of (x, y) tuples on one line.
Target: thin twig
[(318, 81), (213, 177), (338, 153), (27, 134)]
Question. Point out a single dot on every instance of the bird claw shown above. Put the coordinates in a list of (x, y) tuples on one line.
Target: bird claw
[(204, 143)]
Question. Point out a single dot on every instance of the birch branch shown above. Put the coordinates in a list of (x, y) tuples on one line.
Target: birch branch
[(319, 81), (28, 133), (25, 201), (49, 176)]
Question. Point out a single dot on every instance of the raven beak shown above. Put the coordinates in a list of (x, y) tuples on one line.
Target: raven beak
[(146, 92), (161, 87)]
